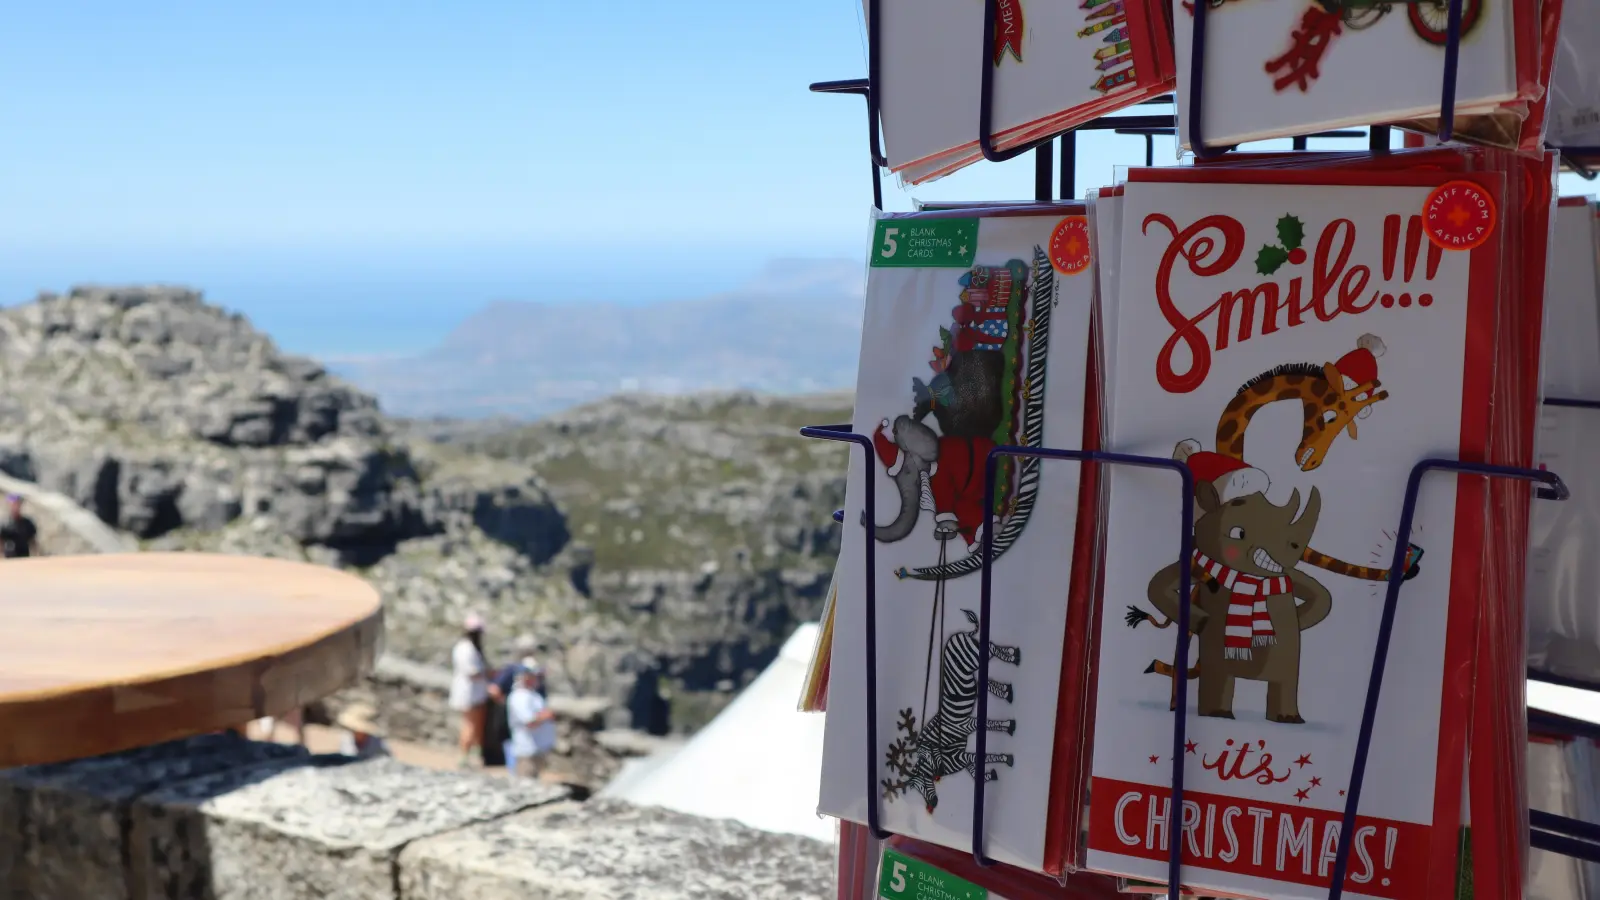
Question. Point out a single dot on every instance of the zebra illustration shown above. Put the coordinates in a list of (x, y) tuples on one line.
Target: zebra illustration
[(939, 748)]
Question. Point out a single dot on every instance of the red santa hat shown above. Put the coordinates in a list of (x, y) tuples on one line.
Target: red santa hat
[(889, 453), (1360, 366), (1231, 477)]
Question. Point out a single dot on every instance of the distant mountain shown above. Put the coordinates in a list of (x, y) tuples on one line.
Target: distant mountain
[(795, 328)]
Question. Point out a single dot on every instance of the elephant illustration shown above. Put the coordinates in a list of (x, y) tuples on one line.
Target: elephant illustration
[(1245, 594), (986, 391), (942, 471), (913, 451)]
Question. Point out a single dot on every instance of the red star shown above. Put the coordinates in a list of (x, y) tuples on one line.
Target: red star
[(1190, 747), (1303, 761), (1154, 760), (1341, 793), (1316, 782), (1302, 794)]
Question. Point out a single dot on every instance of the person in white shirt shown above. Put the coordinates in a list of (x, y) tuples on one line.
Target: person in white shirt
[(363, 737), (469, 687), (533, 725)]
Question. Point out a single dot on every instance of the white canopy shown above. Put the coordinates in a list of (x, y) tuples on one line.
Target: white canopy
[(759, 762)]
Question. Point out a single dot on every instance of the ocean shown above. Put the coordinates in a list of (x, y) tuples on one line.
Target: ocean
[(361, 302)]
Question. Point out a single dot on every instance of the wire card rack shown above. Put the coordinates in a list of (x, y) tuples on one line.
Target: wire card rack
[(1146, 126), (1553, 488), (1534, 674), (1558, 834)]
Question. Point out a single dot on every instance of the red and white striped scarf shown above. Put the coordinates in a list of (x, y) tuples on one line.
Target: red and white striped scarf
[(1248, 624)]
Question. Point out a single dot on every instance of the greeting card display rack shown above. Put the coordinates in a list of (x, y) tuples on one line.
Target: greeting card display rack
[(1558, 834), (1584, 684)]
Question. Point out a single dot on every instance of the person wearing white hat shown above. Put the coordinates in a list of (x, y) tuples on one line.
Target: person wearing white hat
[(469, 687), (496, 731), (363, 736), (533, 725)]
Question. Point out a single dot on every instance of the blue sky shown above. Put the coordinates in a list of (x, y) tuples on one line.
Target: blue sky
[(357, 176)]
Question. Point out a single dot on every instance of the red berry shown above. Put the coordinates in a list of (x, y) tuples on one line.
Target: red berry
[(1297, 256)]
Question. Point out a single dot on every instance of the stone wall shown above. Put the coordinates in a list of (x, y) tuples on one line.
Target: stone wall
[(222, 818)]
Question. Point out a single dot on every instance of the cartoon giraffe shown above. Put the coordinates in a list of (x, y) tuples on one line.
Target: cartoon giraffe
[(1332, 397)]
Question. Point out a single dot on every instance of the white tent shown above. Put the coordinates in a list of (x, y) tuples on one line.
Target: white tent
[(759, 762)]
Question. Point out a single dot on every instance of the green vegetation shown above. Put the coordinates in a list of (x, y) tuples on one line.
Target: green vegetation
[(674, 484)]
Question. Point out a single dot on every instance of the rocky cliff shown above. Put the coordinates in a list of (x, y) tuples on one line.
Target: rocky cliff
[(652, 546)]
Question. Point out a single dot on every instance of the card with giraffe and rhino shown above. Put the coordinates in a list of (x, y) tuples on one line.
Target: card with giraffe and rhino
[(975, 337), (1299, 348)]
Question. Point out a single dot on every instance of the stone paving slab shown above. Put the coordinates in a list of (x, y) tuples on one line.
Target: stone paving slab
[(329, 828), (67, 823), (608, 850)]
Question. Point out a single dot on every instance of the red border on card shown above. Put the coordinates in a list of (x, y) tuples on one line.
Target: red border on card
[(1461, 630)]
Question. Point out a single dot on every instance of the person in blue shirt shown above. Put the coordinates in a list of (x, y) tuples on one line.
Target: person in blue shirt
[(498, 733), (533, 725)]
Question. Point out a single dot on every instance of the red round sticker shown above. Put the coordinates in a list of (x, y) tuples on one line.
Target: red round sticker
[(1459, 215), (1069, 245)]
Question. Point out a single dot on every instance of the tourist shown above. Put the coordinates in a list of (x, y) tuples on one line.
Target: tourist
[(19, 537), (469, 688), (363, 736), (497, 734), (533, 725)]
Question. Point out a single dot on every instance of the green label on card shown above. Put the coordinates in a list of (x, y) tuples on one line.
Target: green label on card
[(925, 243), (902, 878)]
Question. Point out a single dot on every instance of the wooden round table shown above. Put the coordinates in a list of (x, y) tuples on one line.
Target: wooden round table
[(106, 653)]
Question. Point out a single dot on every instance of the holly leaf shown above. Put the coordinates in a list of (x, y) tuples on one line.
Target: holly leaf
[(1291, 232), (1270, 259), (944, 336)]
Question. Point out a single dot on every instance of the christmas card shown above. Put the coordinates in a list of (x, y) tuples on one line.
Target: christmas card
[(1563, 617), (1276, 68), (1265, 322), (1055, 65), (1574, 118), (974, 338), (1561, 782)]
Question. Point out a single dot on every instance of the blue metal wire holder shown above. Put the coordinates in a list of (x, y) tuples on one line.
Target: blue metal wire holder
[(1554, 489), (1185, 553), (1572, 403), (844, 434), (1561, 834), (1197, 68), (1582, 169)]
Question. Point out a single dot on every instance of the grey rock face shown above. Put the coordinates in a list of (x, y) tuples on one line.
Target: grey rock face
[(604, 849), (66, 824), (323, 828), (653, 546), (159, 412)]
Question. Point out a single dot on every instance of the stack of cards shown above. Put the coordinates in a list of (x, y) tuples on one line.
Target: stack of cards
[(1574, 117), (1267, 315), (976, 336), (1561, 781), (1055, 66), (1563, 615), (1301, 66)]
